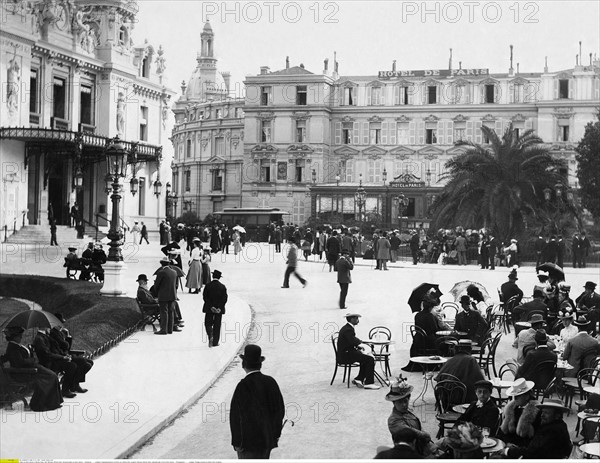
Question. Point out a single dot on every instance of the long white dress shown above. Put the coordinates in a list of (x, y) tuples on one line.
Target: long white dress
[(194, 276)]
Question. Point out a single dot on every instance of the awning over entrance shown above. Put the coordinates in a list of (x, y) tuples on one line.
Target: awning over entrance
[(89, 146)]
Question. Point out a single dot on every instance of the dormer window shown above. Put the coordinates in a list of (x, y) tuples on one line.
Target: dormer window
[(489, 93), (145, 67), (376, 96), (123, 36), (563, 88), (432, 94), (349, 96)]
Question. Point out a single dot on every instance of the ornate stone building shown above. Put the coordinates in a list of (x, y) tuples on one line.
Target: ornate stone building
[(208, 139), (72, 79)]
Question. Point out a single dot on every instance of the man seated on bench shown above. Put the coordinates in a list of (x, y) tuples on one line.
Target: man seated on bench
[(145, 297)]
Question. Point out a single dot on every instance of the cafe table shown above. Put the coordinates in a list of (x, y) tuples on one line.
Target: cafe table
[(450, 333), (500, 384), (382, 344), (563, 365), (592, 449), (427, 362), (488, 448), (592, 389)]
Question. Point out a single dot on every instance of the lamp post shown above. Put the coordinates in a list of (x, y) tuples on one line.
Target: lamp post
[(401, 203), (116, 165), (360, 197), (562, 197)]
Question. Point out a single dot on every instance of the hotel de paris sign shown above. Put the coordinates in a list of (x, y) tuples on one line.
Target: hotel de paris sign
[(434, 73)]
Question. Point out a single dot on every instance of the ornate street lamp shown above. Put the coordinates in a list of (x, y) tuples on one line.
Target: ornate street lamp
[(360, 197), (116, 159), (384, 175), (78, 179), (134, 186), (157, 187), (401, 203)]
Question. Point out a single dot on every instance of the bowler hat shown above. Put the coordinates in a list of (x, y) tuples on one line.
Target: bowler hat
[(483, 383), (590, 285), (567, 316), (465, 299), (142, 277), (541, 337), (536, 318), (553, 403), (399, 390), (520, 386), (252, 354), (72, 249), (581, 321), (513, 275), (216, 274)]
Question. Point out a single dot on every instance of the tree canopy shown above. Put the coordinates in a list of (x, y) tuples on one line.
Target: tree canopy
[(588, 171)]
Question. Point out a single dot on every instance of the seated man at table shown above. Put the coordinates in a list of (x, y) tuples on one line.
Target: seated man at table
[(464, 367), (349, 351), (405, 440), (540, 354), (527, 337), (470, 321), (521, 312), (483, 412), (551, 439), (577, 346)]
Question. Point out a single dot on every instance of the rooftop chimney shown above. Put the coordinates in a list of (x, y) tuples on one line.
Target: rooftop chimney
[(450, 60), (287, 62), (264, 70), (517, 68), (325, 65), (590, 59), (394, 66), (302, 65), (511, 70)]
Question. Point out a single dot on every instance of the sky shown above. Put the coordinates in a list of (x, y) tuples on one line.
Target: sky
[(369, 35)]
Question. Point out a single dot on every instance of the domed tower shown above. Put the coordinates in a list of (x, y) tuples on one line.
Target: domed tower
[(206, 83)]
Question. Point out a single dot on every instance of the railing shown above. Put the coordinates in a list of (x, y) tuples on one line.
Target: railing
[(23, 214)]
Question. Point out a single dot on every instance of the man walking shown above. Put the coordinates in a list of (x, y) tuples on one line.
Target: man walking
[(144, 234), (343, 267), (215, 298), (292, 262), (257, 409), (166, 288), (53, 233)]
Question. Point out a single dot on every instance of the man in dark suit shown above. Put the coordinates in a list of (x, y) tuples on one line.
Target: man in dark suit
[(589, 298), (257, 409), (166, 289), (510, 288), (492, 250), (521, 312), (540, 354), (348, 351), (343, 267), (215, 298), (470, 321), (414, 246), (483, 412), (404, 446)]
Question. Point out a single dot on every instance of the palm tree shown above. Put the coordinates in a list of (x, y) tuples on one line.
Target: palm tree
[(497, 186)]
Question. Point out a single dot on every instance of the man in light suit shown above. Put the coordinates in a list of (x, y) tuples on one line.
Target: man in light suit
[(166, 288), (257, 409), (348, 351), (577, 346)]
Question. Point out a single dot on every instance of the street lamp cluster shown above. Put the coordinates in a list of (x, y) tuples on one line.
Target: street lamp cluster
[(360, 198), (563, 196), (171, 201)]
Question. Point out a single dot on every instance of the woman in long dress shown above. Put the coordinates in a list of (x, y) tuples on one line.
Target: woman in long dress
[(194, 276), (237, 246), (46, 389), (205, 259)]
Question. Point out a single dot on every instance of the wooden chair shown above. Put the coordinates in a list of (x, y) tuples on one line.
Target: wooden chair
[(507, 371), (150, 314), (590, 432), (15, 383), (543, 374), (450, 310), (549, 390), (585, 377), (487, 355), (346, 366), (420, 340), (382, 353), (447, 394)]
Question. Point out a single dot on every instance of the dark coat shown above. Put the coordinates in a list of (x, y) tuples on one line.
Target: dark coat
[(42, 344), (532, 359), (347, 342), (414, 242), (398, 452), (510, 289), (215, 295), (257, 411), (343, 267), (549, 441), (466, 369), (484, 417), (472, 323), (145, 296), (521, 312), (166, 284)]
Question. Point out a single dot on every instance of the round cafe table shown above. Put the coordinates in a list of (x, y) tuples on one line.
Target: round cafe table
[(496, 448), (450, 333), (592, 389), (427, 362), (563, 365), (460, 408), (593, 449)]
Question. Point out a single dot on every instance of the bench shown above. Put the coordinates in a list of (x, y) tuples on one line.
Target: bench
[(150, 312), (15, 383), (94, 271)]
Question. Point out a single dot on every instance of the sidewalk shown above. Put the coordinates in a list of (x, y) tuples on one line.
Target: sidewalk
[(135, 389)]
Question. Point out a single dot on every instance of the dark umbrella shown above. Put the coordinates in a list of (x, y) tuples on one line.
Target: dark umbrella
[(416, 297), (554, 271), (33, 319)]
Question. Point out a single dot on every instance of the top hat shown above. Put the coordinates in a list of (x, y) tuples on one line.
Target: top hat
[(398, 390), (590, 285), (465, 298), (351, 314), (536, 318), (252, 354), (142, 277), (483, 383), (72, 249), (520, 386), (216, 274), (541, 337), (581, 321), (553, 403)]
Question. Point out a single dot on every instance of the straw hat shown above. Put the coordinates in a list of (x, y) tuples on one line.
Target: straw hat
[(399, 390), (553, 403), (520, 386)]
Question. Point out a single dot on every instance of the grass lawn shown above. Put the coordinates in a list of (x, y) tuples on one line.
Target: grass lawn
[(92, 319)]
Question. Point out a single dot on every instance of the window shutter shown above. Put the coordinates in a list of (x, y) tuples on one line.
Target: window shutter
[(369, 92), (384, 133), (382, 96), (498, 128), (392, 129), (421, 133), (425, 94), (356, 134), (482, 93), (511, 91), (338, 133), (556, 89), (478, 133), (470, 131), (571, 88), (412, 136), (497, 93), (449, 134), (365, 132), (396, 94), (440, 133)]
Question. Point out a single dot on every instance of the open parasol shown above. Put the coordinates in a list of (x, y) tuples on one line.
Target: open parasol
[(460, 288), (239, 228), (417, 295), (554, 271), (33, 319)]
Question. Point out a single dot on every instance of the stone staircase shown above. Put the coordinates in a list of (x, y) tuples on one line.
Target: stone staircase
[(40, 234)]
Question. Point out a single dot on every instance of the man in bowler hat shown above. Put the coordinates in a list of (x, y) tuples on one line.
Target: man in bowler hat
[(257, 409), (215, 298), (166, 288), (343, 267)]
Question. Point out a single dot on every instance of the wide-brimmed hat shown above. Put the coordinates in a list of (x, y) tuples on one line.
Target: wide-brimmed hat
[(216, 274), (536, 318), (567, 316), (483, 383), (590, 285), (352, 314), (399, 390), (520, 386), (252, 354), (142, 277), (553, 403), (581, 321)]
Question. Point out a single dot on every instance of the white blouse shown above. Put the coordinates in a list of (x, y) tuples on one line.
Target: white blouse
[(568, 332), (196, 254)]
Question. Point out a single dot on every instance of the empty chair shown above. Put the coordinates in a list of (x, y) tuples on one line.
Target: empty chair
[(448, 393)]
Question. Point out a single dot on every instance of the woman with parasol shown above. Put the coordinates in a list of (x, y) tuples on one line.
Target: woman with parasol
[(46, 393)]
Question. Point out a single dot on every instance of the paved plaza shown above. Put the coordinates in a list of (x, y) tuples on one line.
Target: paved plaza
[(293, 326)]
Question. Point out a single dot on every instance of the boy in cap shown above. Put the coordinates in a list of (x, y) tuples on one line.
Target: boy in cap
[(483, 412), (257, 409)]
